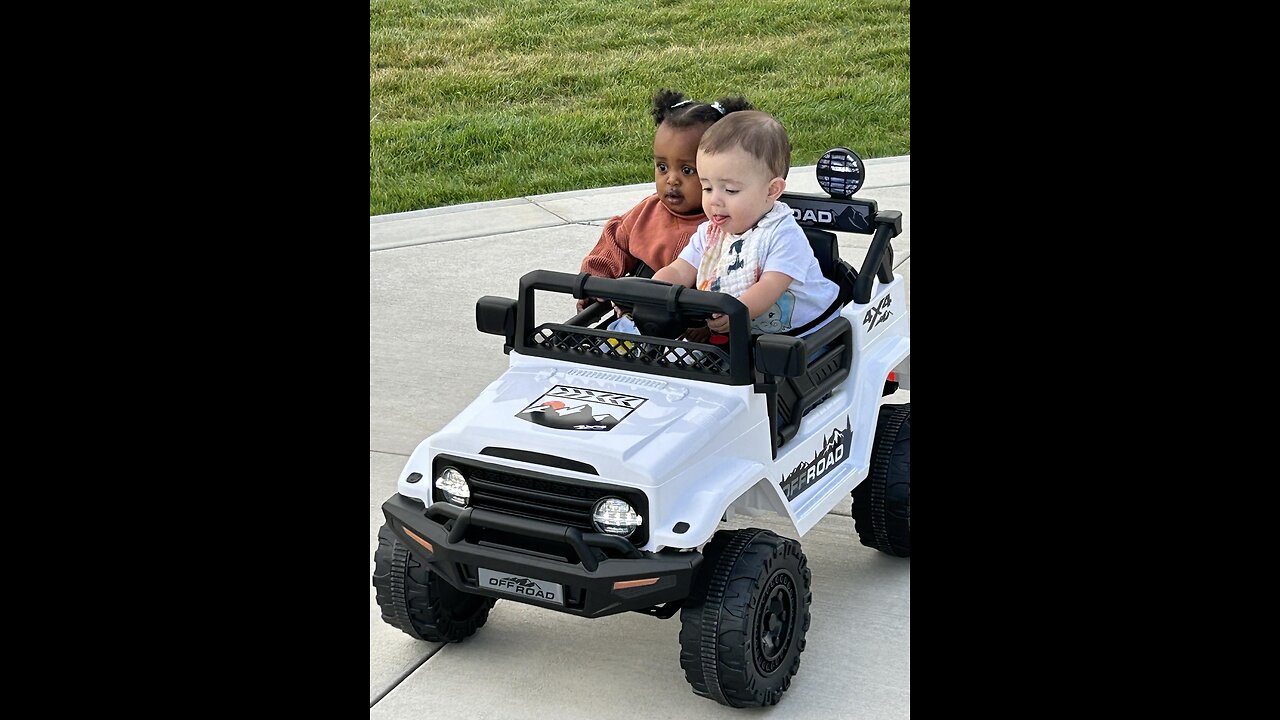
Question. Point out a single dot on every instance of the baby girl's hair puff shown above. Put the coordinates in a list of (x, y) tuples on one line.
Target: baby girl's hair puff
[(673, 108)]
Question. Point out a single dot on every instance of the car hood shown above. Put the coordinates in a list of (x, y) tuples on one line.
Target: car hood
[(627, 426)]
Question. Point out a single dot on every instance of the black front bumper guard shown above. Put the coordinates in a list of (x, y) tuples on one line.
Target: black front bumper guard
[(437, 536)]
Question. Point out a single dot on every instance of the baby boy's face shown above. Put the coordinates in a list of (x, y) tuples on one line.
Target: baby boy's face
[(735, 188)]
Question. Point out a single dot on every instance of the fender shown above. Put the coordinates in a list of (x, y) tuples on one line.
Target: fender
[(703, 501)]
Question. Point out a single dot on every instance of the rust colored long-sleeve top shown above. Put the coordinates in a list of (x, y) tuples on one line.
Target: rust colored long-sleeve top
[(649, 232)]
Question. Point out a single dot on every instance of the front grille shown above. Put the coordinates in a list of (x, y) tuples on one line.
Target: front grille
[(540, 496)]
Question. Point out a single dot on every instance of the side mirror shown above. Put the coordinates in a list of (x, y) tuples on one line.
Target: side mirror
[(781, 355), (497, 316)]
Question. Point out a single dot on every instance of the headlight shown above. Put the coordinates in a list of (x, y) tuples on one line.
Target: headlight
[(615, 517), (454, 486)]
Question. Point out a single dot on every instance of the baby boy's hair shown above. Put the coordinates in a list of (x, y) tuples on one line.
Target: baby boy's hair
[(758, 133), (671, 107)]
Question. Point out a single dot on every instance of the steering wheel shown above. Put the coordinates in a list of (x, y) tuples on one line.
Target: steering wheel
[(658, 320), (626, 308)]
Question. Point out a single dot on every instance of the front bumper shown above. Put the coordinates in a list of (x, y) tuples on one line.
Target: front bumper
[(438, 536)]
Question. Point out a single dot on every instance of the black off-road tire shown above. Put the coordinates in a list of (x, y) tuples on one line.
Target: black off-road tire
[(882, 502), (742, 629), (420, 602)]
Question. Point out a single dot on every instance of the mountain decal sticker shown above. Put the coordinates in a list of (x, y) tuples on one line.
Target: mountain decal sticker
[(571, 408), (834, 450)]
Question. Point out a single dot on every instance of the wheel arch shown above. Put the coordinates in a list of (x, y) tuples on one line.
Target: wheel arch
[(742, 487)]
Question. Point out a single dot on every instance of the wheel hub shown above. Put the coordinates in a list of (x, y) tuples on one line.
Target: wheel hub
[(775, 622)]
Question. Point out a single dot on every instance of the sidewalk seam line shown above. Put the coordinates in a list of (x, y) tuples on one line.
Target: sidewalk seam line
[(403, 676), (585, 223), (563, 219), (535, 203)]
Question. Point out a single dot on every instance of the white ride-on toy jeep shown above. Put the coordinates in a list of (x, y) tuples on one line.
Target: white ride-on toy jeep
[(591, 478)]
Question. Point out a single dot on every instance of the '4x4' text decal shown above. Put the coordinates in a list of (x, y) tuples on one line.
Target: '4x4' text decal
[(877, 314)]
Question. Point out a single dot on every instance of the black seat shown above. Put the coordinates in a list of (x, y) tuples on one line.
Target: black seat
[(826, 249), (830, 348)]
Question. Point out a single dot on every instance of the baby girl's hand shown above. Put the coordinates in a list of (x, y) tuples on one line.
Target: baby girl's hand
[(584, 302), (698, 334), (719, 323)]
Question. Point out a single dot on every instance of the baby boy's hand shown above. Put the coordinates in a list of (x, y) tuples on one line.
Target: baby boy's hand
[(719, 323)]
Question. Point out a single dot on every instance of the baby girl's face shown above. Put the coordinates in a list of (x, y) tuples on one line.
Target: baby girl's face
[(675, 171)]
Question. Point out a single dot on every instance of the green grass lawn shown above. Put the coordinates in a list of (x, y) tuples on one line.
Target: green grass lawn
[(474, 100)]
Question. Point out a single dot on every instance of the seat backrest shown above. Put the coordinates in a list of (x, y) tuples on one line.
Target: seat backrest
[(825, 248)]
